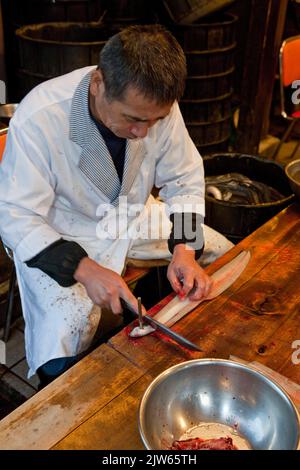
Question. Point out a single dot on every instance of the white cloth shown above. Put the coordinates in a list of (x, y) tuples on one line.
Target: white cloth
[(51, 174), (215, 246)]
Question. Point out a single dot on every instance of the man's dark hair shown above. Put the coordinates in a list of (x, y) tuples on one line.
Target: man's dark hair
[(146, 57)]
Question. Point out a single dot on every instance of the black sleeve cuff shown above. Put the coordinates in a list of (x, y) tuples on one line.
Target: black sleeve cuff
[(60, 261), (187, 229)]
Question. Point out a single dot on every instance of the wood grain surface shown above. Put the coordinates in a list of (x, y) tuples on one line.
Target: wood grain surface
[(68, 401)]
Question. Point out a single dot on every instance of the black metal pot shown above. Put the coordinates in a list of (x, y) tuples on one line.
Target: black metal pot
[(236, 221)]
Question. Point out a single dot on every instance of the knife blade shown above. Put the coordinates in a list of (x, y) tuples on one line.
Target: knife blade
[(172, 334), (164, 329), (141, 322)]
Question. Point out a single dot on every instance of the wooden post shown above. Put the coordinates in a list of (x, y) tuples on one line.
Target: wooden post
[(266, 23)]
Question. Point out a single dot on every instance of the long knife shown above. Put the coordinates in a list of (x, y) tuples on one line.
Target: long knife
[(167, 331), (172, 334)]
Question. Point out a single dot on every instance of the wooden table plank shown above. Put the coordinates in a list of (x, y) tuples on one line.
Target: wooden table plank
[(68, 401), (100, 432), (275, 289), (276, 351), (266, 240)]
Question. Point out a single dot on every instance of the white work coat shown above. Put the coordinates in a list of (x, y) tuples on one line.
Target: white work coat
[(56, 172)]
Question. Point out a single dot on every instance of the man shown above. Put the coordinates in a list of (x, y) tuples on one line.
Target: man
[(79, 145)]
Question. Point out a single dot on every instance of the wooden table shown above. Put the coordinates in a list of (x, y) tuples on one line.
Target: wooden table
[(95, 404)]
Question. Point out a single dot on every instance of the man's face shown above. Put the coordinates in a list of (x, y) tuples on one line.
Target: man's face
[(130, 118)]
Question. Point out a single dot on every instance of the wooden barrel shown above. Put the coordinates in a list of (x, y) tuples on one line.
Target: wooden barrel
[(208, 86), (209, 133), (210, 62), (18, 13), (128, 11), (38, 11), (188, 11), (211, 33), (206, 105), (206, 149), (208, 109), (47, 50)]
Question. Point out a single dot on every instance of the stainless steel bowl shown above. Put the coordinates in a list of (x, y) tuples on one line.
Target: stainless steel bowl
[(219, 391), (292, 171)]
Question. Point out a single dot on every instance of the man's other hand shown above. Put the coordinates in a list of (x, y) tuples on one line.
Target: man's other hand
[(104, 287), (187, 278)]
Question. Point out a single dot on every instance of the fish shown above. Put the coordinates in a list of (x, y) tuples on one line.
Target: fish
[(138, 332), (239, 189), (222, 279)]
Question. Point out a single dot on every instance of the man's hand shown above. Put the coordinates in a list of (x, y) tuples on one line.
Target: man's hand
[(104, 287), (186, 276)]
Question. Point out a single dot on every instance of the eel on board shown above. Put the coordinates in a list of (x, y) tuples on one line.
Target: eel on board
[(222, 279)]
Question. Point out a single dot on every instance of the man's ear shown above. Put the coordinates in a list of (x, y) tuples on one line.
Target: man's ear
[(96, 82)]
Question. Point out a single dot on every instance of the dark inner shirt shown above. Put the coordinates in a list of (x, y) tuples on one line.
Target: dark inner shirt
[(116, 146)]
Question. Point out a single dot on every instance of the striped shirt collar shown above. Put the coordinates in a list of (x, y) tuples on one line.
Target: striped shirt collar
[(95, 160)]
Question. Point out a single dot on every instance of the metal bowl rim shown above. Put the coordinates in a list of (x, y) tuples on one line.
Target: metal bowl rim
[(186, 364), (5, 105), (12, 107), (287, 169)]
